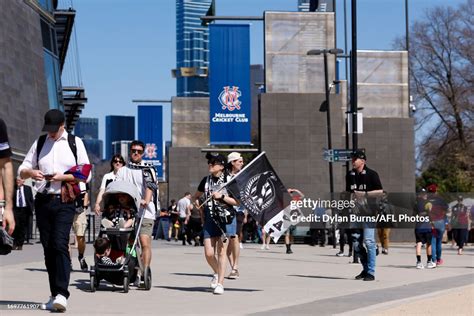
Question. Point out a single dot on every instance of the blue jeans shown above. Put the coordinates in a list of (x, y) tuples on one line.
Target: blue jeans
[(54, 221), (436, 239), (368, 253)]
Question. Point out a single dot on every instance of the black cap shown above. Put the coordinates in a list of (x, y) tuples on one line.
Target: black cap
[(359, 154), (215, 158), (52, 120)]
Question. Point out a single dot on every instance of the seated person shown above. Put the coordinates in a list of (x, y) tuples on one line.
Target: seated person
[(112, 216), (102, 251)]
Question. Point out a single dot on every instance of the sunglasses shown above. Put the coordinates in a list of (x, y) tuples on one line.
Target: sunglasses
[(120, 161), (136, 151)]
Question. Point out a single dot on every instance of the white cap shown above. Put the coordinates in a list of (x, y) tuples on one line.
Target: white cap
[(233, 156)]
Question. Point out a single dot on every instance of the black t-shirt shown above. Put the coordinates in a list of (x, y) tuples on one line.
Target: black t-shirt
[(367, 180), (5, 150)]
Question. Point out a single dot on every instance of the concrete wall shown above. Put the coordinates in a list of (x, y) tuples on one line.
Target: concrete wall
[(23, 91), (294, 134), (190, 122)]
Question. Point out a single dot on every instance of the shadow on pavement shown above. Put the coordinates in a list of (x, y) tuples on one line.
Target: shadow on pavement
[(400, 266), (193, 274), (204, 289), (36, 270), (318, 277)]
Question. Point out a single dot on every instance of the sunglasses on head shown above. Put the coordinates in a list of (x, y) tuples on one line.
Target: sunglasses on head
[(136, 151)]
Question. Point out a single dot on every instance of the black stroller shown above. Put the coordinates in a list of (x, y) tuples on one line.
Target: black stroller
[(121, 205)]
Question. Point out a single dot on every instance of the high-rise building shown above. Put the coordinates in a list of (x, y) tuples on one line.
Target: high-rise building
[(118, 128), (323, 5), (87, 127), (192, 49)]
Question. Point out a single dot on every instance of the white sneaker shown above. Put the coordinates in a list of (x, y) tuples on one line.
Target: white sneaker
[(241, 247), (263, 247), (60, 303), (48, 306), (267, 247), (419, 265), (219, 289), (430, 265), (214, 283)]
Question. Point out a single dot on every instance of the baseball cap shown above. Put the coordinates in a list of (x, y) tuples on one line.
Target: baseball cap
[(233, 156), (52, 120), (215, 158), (359, 154)]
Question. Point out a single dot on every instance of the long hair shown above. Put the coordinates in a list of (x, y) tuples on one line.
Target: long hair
[(116, 156)]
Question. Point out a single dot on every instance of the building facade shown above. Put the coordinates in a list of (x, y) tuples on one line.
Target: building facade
[(87, 128), (33, 44), (192, 48), (118, 128)]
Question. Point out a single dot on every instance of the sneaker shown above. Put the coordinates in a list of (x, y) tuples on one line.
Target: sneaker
[(340, 254), (219, 289), (385, 251), (419, 265), (430, 265), (241, 247), (369, 277), (439, 262), (214, 281), (361, 275), (234, 274), (289, 251), (60, 303), (263, 247), (83, 264), (267, 247), (48, 306)]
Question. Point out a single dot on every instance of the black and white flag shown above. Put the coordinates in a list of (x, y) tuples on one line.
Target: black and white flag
[(261, 192)]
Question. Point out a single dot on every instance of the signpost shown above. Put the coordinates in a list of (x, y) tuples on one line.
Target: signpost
[(337, 155)]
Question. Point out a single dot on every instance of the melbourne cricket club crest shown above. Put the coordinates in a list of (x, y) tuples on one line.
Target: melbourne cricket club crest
[(229, 98), (150, 151), (259, 192)]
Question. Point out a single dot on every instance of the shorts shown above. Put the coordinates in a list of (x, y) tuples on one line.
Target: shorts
[(147, 227), (240, 222), (79, 224), (231, 229), (211, 229), (423, 236), (291, 230)]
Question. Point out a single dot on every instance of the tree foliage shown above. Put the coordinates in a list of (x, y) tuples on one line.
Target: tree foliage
[(441, 55)]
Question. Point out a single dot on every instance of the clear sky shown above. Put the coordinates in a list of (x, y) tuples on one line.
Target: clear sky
[(127, 48)]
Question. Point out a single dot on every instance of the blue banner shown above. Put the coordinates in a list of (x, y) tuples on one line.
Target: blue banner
[(229, 84), (150, 131)]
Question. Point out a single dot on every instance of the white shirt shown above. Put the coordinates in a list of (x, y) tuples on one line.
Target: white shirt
[(56, 156), (135, 177), (183, 205), (107, 177)]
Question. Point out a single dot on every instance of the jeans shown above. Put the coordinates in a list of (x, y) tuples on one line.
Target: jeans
[(367, 254), (436, 239), (54, 220)]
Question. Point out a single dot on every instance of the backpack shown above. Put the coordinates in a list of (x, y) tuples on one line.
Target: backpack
[(71, 139)]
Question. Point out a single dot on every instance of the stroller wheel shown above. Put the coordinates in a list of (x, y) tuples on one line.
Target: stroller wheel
[(125, 284), (93, 283), (147, 278)]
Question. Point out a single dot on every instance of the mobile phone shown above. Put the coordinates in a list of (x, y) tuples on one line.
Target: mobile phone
[(48, 176)]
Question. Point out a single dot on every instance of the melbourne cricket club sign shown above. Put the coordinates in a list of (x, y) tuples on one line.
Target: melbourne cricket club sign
[(229, 84)]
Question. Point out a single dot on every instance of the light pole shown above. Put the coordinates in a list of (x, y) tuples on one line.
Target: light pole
[(325, 106)]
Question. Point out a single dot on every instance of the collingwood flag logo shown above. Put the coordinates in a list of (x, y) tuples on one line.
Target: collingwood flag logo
[(259, 192)]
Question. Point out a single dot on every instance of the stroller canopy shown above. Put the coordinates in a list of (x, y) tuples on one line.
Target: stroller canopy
[(123, 187)]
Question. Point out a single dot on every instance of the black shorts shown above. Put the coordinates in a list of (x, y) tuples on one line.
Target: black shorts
[(423, 236), (240, 222)]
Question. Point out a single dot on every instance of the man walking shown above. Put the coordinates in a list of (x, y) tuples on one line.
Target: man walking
[(364, 184), (6, 181), (184, 208), (46, 162), (143, 176), (23, 210)]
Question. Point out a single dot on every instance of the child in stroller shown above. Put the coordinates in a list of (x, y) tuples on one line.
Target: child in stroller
[(116, 259)]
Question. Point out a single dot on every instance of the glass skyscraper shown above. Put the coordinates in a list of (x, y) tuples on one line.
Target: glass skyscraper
[(118, 128), (87, 127), (192, 49)]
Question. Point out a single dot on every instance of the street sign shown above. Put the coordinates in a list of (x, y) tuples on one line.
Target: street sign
[(337, 155)]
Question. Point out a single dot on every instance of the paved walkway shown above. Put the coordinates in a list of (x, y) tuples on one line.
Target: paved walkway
[(311, 281)]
